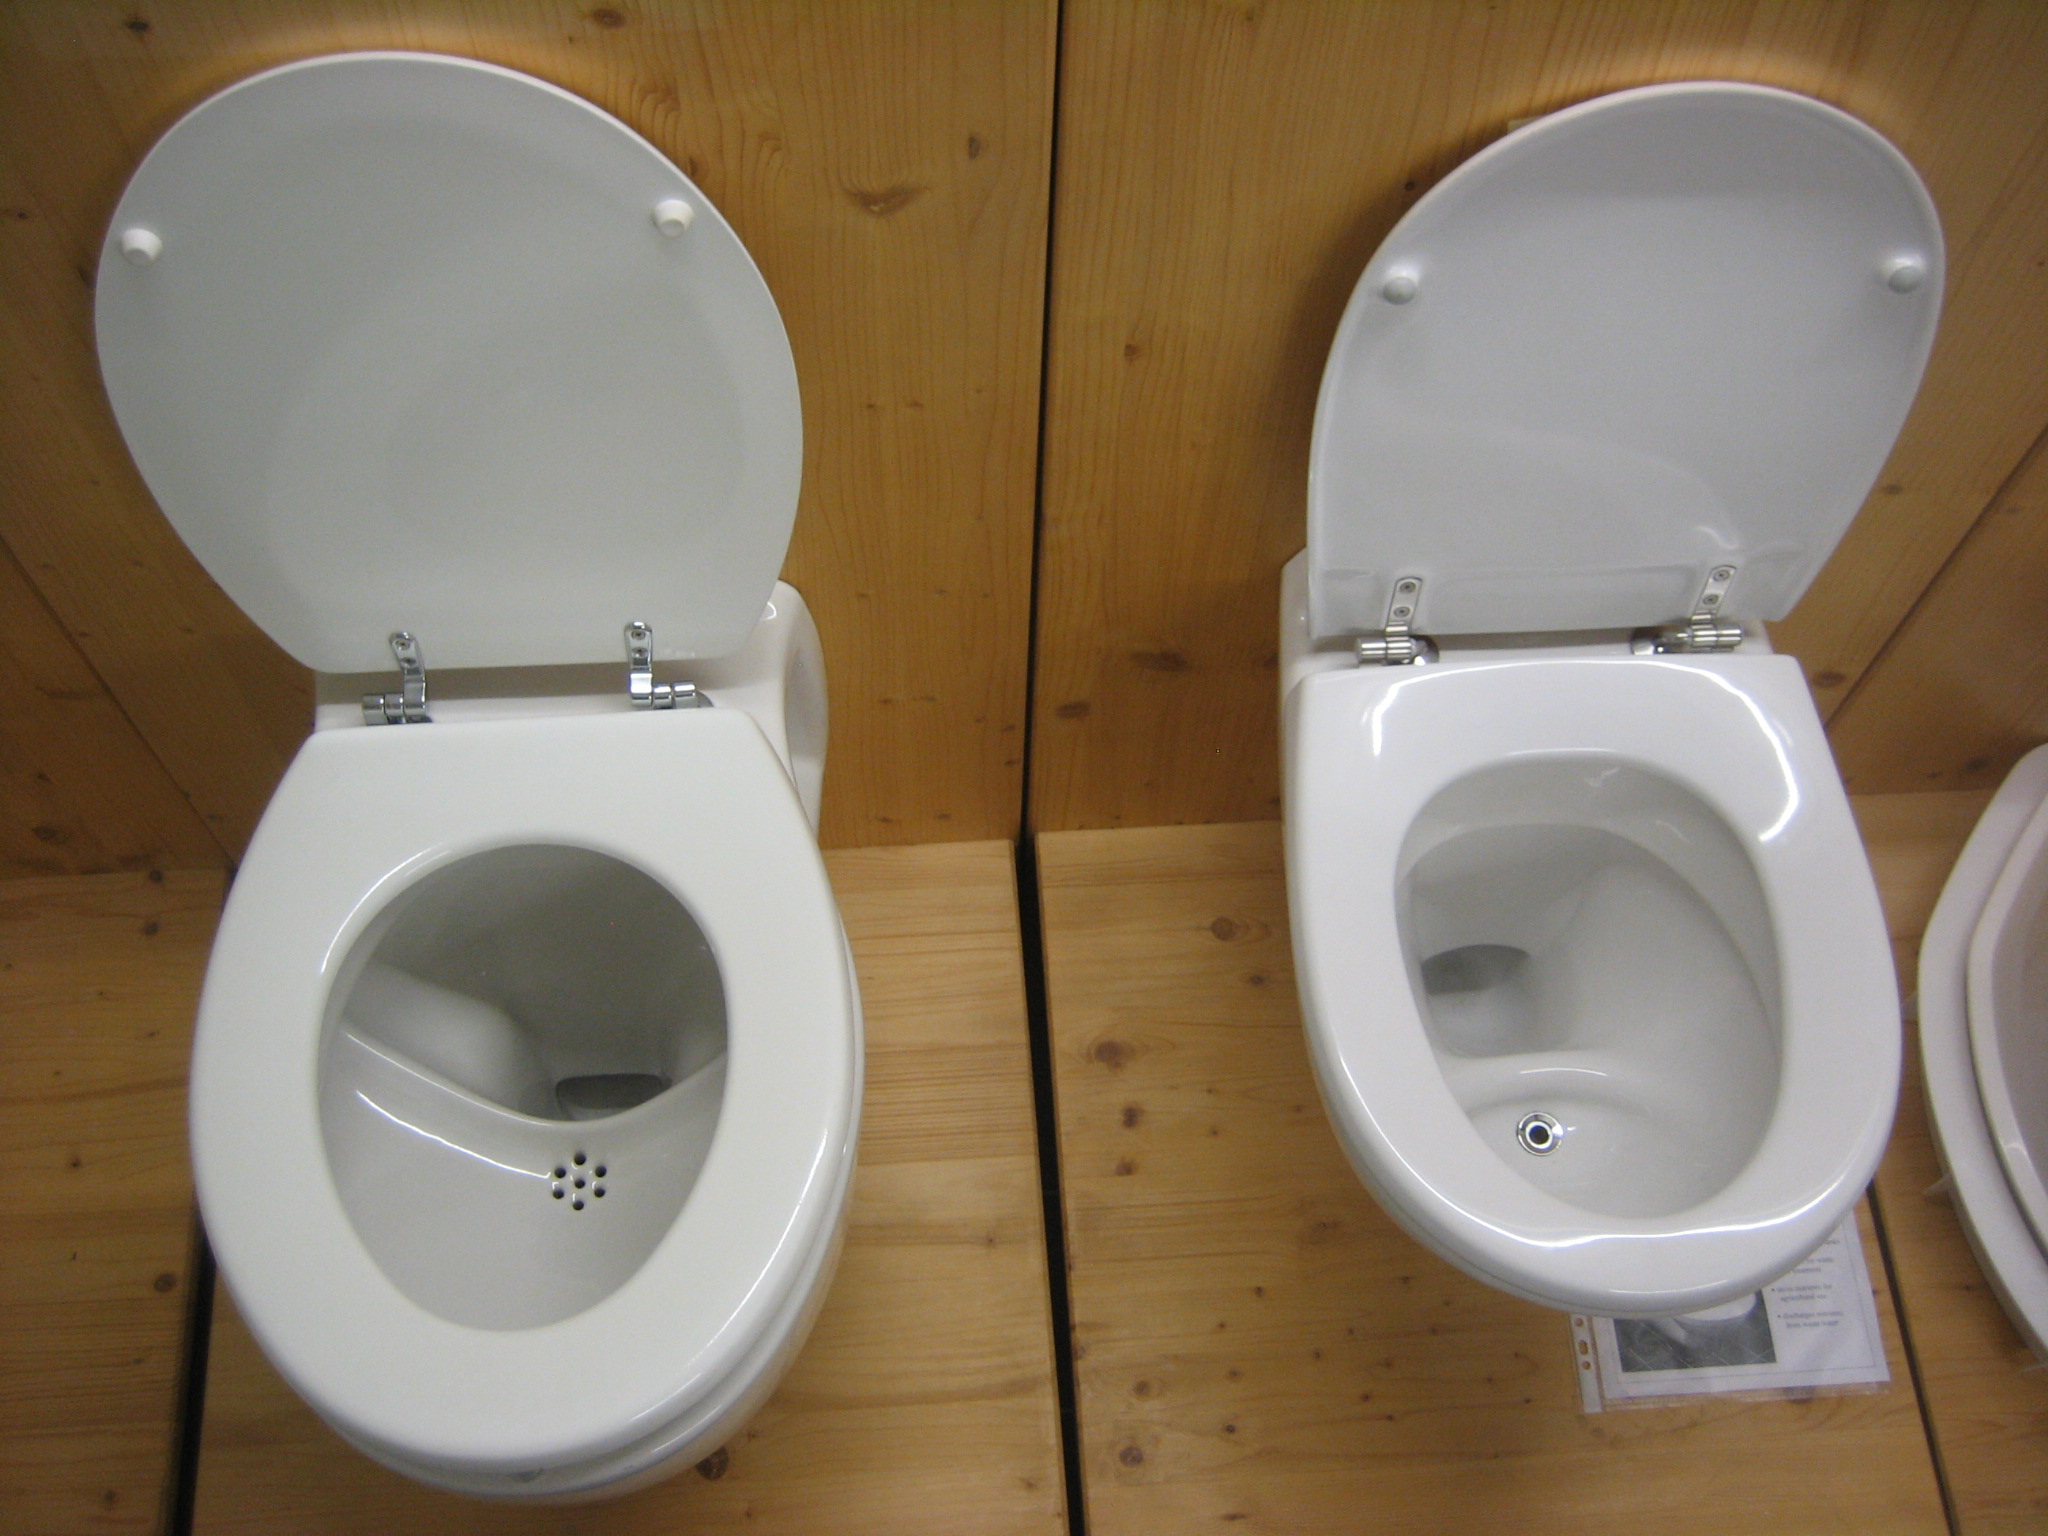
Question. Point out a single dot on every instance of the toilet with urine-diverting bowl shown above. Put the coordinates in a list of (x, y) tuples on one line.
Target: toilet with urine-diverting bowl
[(1591, 964), (528, 1067)]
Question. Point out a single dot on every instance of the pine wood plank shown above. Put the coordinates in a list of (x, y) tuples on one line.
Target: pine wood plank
[(1225, 172), (99, 977), (1256, 1342), (1987, 1402), (1961, 692), (924, 1400), (80, 792), (886, 163)]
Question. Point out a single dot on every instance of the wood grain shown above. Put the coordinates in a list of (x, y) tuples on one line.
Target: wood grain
[(887, 165), (924, 1400), (1960, 693), (1225, 171), (1255, 1341), (1986, 1399), (80, 792), (99, 977)]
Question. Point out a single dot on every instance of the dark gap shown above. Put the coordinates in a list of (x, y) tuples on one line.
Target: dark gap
[(1031, 935), (1891, 1278), (191, 1410), (1030, 929)]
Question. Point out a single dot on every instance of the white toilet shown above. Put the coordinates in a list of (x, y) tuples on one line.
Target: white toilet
[(1983, 1018), (528, 1069), (1591, 962)]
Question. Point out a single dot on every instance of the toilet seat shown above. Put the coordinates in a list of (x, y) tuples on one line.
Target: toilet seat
[(1372, 747), (1601, 404), (429, 360), (364, 814), (1661, 333), (407, 342)]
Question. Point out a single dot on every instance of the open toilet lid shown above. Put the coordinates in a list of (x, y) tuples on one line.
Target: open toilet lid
[(1668, 330), (397, 343)]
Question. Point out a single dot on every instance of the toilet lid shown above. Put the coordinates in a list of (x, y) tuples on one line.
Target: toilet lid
[(1666, 331), (397, 343)]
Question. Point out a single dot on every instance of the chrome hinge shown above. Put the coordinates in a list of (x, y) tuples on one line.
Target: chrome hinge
[(641, 687), (1397, 645), (408, 706), (1705, 630)]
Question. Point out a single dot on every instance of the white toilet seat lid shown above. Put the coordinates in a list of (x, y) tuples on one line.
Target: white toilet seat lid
[(359, 818), (1648, 336), (415, 355)]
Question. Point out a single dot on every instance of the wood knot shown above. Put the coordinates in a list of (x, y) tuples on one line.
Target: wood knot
[(887, 201), (1131, 1456), (1111, 1053), (1133, 1113), (714, 1466)]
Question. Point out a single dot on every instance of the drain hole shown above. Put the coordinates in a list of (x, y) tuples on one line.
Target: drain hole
[(576, 1205), (558, 1191), (1539, 1133), (578, 1158), (1471, 968), (607, 1093), (561, 1173), (599, 1191)]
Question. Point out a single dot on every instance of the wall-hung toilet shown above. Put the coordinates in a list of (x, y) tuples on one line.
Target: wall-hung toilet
[(1590, 959), (528, 1066)]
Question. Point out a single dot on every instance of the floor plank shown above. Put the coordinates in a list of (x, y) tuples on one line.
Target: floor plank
[(1987, 1402), (1258, 1347), (99, 977), (924, 1400)]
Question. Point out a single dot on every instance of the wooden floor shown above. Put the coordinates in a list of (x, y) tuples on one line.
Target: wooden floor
[(99, 975), (1986, 1400), (1255, 1347), (924, 1401), (1258, 1347)]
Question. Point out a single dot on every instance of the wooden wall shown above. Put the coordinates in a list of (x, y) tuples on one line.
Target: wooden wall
[(1224, 170), (886, 163)]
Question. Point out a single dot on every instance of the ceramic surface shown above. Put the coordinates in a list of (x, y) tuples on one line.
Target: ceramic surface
[(1991, 1212)]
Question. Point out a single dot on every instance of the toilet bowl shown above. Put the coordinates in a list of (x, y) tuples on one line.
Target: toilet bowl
[(527, 1074), (1978, 1040), (1591, 963)]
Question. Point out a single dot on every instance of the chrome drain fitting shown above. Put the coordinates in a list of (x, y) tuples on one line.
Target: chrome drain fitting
[(1539, 1133)]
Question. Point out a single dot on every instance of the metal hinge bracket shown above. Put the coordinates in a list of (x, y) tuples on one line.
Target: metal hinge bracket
[(408, 706), (1704, 630), (1398, 645), (641, 687)]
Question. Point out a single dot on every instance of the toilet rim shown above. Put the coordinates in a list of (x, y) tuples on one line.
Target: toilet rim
[(385, 1370), (1387, 1093)]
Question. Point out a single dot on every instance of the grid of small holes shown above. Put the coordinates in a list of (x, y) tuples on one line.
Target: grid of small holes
[(578, 1178)]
